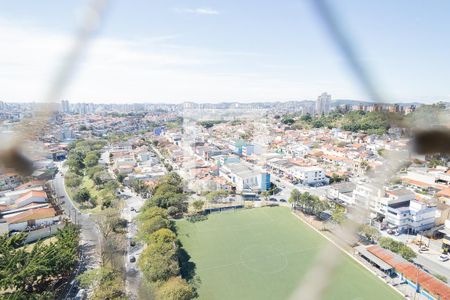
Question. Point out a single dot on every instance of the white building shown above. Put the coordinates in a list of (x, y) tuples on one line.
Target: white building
[(245, 177), (309, 175), (342, 192), (376, 200), (411, 216), (323, 104), (298, 150)]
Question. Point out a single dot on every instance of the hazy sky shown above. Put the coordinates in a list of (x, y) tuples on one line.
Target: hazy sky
[(246, 50)]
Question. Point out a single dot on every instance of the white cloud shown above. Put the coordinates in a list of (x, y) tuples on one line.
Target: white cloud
[(150, 69), (198, 11)]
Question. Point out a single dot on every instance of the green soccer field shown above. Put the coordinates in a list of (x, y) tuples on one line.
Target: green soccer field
[(264, 253)]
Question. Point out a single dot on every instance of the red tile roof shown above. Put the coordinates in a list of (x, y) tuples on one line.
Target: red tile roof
[(32, 214), (431, 284), (39, 194)]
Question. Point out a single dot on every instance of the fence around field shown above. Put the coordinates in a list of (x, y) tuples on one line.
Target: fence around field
[(223, 208)]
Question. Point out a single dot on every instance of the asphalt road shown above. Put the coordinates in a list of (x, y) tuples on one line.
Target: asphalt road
[(133, 204), (89, 235), (432, 266)]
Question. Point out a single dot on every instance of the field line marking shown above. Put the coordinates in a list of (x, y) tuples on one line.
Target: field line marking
[(348, 254)]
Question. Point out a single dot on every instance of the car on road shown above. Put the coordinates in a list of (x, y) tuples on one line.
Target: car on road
[(132, 243), (272, 199), (81, 295), (443, 257), (132, 259), (283, 200)]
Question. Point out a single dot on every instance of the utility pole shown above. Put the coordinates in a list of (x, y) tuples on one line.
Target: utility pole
[(417, 281)]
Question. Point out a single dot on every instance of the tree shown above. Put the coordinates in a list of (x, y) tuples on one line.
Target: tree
[(75, 161), (32, 274), (175, 288), (159, 261), (265, 195), (287, 120), (335, 178), (91, 159), (106, 283), (216, 195), (407, 253), (198, 205), (151, 212), (148, 226), (72, 179), (82, 195), (397, 247), (338, 214), (168, 199), (369, 232), (294, 198), (120, 178), (108, 222), (162, 235)]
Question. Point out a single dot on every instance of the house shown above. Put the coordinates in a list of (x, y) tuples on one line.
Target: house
[(9, 180), (31, 218), (31, 197)]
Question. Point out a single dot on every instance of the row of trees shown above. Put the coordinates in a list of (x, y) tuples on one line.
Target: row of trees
[(35, 273), (313, 205), (370, 122), (160, 260), (169, 194), (107, 281), (397, 247), (89, 183)]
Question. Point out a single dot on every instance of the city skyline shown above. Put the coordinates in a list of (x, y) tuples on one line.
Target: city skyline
[(222, 52)]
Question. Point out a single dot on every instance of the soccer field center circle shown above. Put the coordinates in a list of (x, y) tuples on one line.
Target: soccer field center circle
[(264, 259)]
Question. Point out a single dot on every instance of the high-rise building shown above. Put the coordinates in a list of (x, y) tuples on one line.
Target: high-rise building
[(65, 106), (323, 104)]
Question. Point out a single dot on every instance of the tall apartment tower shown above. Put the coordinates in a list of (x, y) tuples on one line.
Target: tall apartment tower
[(323, 104), (65, 106)]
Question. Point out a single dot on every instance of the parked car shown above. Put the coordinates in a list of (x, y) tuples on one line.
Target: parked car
[(443, 257), (272, 199), (283, 200), (81, 295)]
